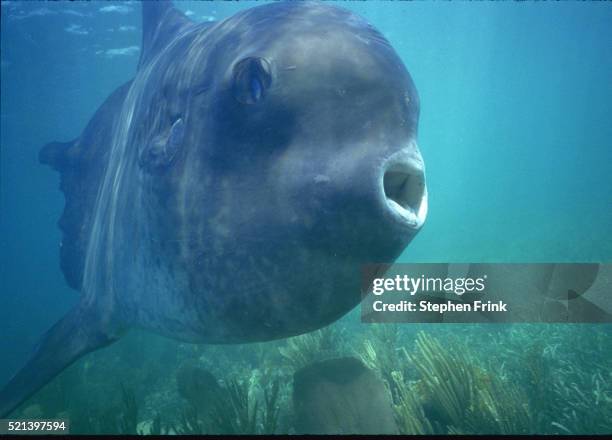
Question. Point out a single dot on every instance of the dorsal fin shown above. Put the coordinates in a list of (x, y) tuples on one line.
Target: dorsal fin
[(58, 155), (81, 164), (161, 21)]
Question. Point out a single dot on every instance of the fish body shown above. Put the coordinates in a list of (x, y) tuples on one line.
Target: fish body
[(230, 192)]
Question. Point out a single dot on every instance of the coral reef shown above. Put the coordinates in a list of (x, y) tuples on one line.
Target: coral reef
[(197, 386), (128, 417), (305, 349), (341, 396), (409, 412), (459, 379), (383, 352), (462, 397)]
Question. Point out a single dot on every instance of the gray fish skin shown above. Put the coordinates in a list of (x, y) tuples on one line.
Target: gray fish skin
[(231, 191)]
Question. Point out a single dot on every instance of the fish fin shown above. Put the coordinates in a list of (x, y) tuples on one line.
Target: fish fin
[(79, 332), (158, 154), (582, 310), (81, 164), (58, 155), (161, 21)]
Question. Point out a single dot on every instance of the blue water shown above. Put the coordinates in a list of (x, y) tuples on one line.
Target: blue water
[(515, 131)]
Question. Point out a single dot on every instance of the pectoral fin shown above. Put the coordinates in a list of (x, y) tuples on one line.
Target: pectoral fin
[(158, 154)]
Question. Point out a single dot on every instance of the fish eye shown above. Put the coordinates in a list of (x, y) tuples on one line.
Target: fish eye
[(251, 80), (256, 89)]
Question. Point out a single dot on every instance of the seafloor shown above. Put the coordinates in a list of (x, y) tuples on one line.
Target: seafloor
[(469, 379)]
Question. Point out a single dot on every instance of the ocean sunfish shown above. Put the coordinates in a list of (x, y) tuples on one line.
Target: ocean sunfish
[(230, 192)]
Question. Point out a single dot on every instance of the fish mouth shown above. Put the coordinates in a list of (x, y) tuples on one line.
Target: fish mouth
[(404, 187)]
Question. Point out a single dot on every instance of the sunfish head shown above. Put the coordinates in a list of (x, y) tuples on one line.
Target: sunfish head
[(299, 163)]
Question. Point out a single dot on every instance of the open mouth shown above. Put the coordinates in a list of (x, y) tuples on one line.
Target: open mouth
[(404, 188)]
